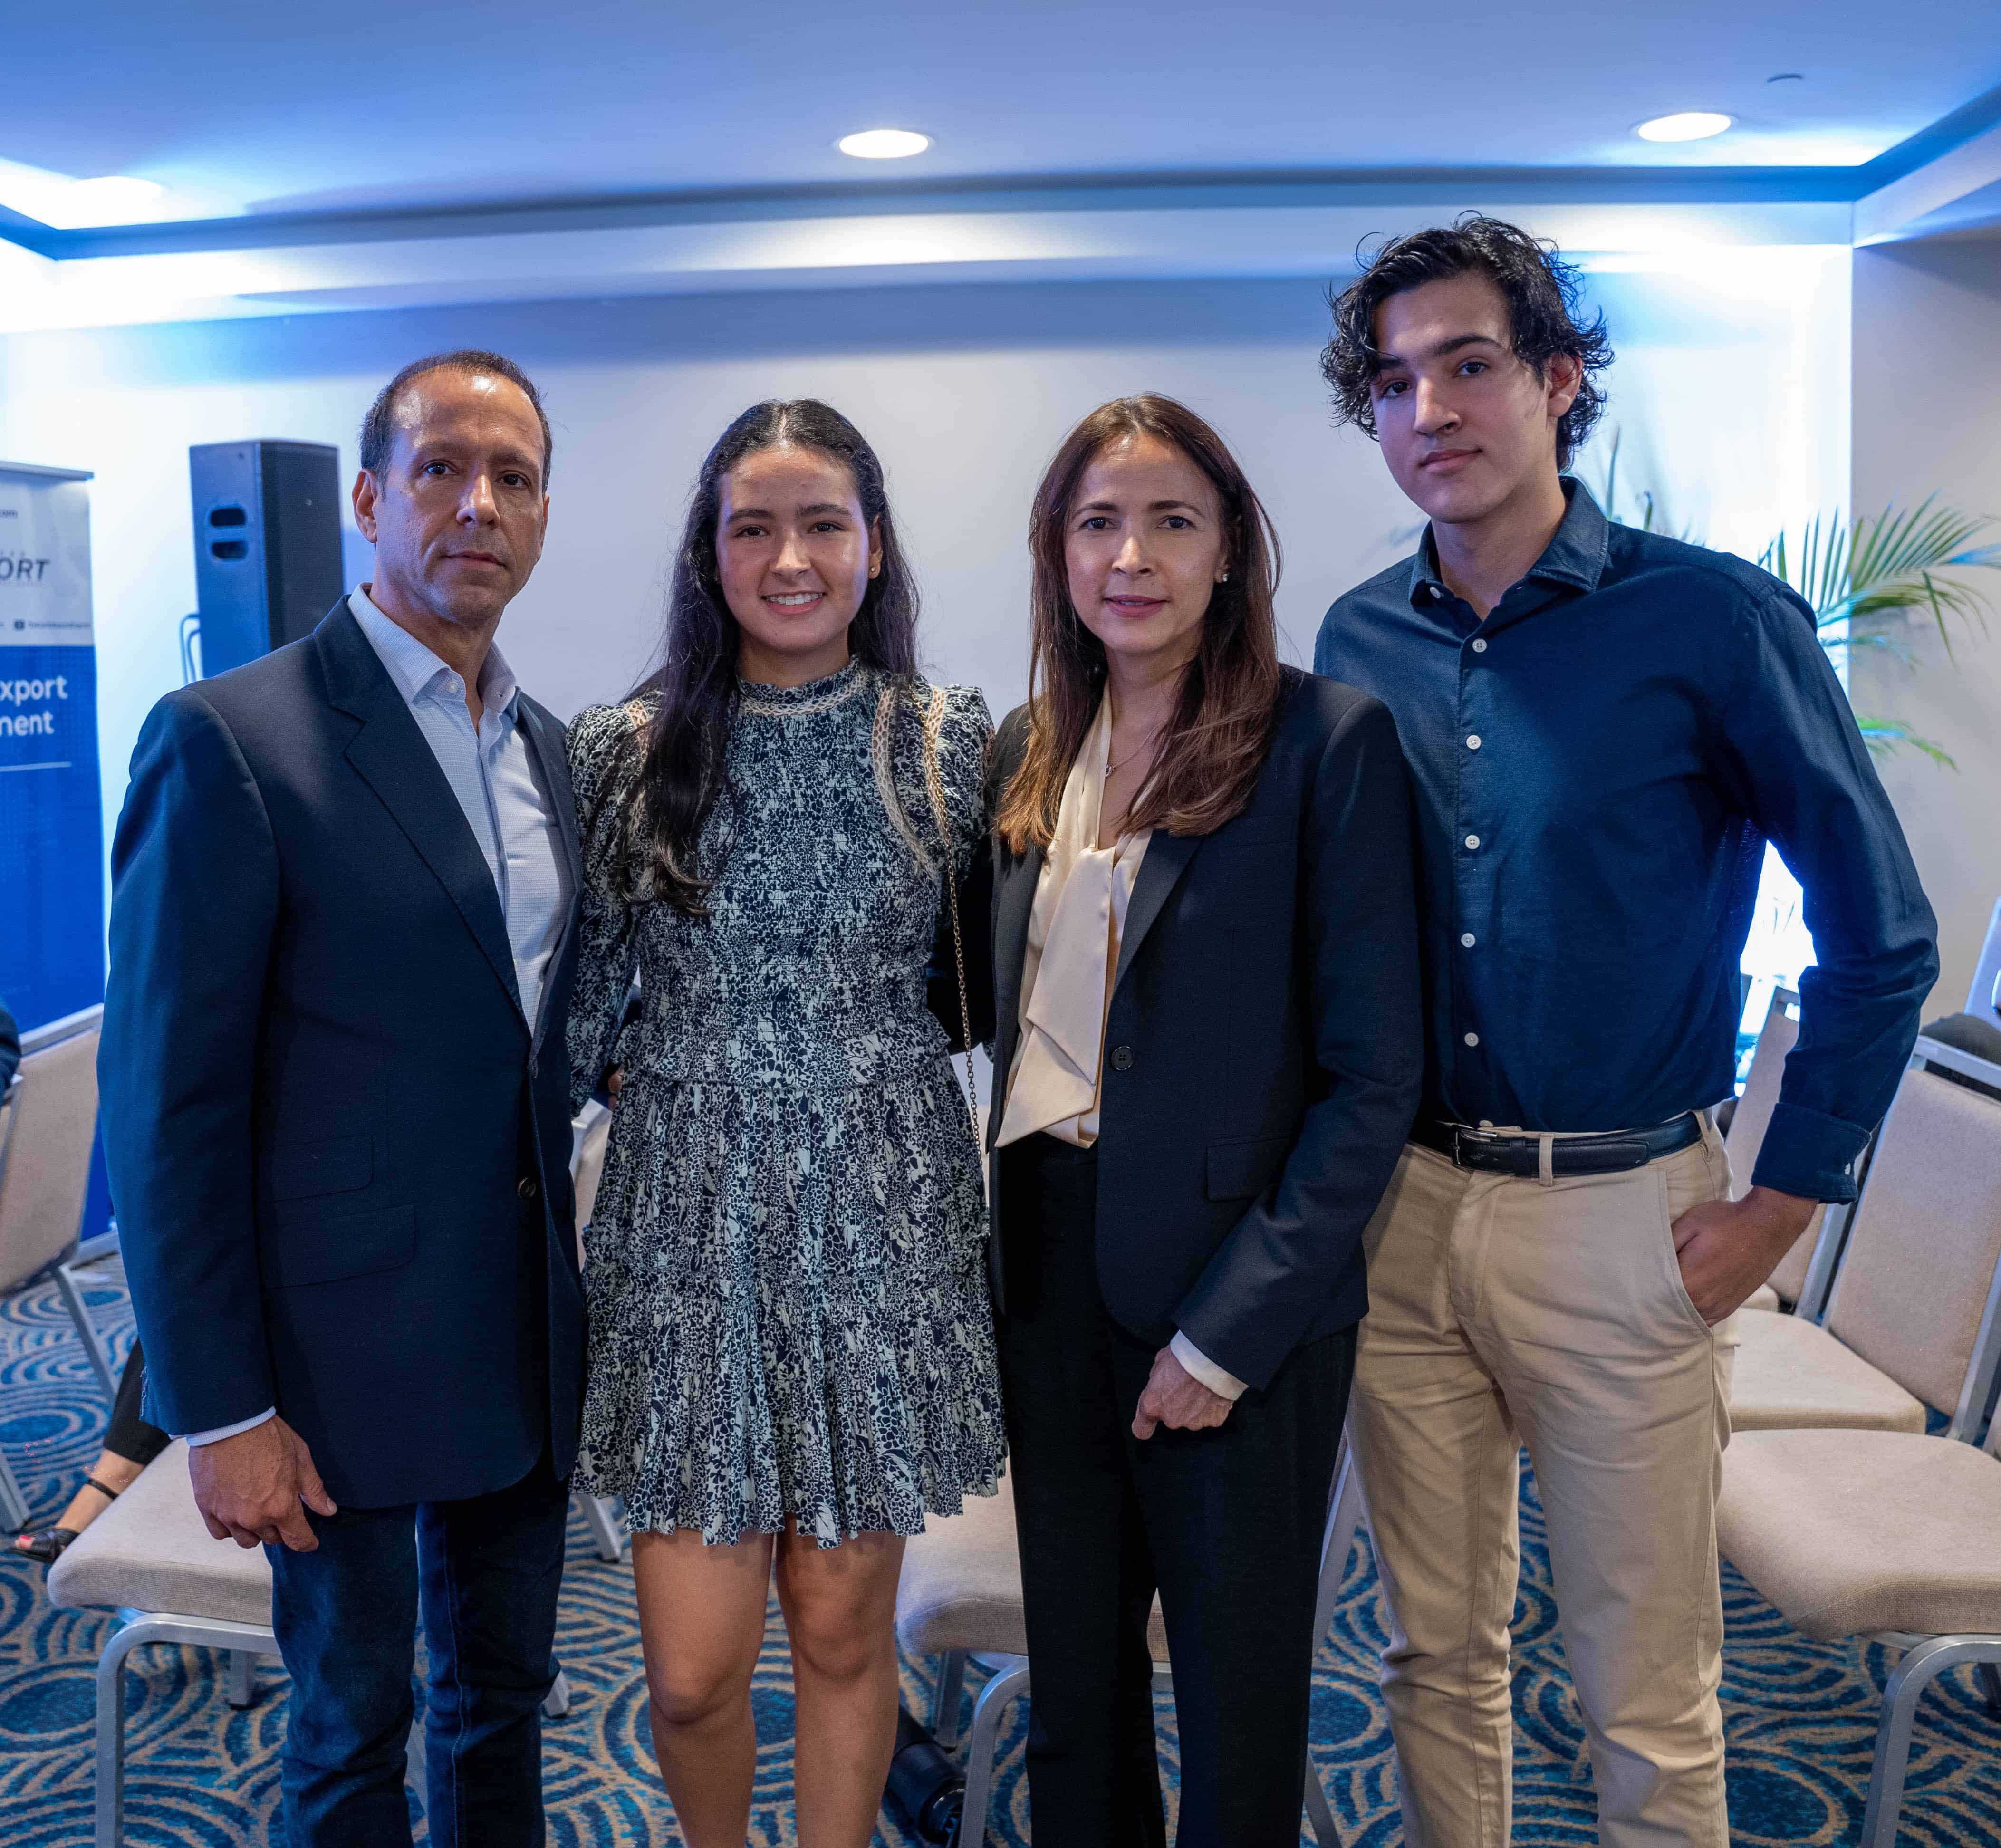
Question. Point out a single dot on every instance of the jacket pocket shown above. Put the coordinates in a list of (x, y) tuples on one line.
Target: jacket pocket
[(322, 1250), (302, 1169), (1238, 1170)]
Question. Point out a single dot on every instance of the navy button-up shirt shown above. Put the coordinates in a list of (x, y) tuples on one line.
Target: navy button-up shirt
[(1597, 768)]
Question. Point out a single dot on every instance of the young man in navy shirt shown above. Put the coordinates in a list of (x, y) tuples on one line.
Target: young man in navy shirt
[(1604, 726)]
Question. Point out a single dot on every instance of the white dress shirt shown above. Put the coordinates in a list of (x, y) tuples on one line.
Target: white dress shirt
[(491, 773)]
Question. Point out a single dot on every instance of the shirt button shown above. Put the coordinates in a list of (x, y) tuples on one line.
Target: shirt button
[(1480, 646), (1121, 1058), (1472, 842), (1473, 1039), (1472, 741), (1438, 592), (1468, 941)]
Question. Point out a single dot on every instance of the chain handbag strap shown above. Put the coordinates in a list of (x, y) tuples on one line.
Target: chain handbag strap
[(933, 716)]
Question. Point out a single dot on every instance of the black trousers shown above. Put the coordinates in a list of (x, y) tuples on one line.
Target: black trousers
[(128, 1434), (1225, 1524)]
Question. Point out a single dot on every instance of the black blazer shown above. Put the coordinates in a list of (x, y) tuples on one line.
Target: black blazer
[(1264, 1047), (339, 1153)]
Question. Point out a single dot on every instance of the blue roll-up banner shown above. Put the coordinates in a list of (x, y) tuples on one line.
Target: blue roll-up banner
[(51, 811)]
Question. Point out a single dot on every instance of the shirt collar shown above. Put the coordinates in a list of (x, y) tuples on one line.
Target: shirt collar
[(416, 671), (1576, 555)]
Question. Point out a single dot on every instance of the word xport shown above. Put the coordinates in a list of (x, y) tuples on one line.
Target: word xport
[(18, 568), (21, 693)]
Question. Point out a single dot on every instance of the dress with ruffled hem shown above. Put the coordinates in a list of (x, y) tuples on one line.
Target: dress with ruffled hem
[(789, 1318)]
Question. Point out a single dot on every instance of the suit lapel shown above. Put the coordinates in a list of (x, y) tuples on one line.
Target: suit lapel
[(551, 762), (391, 757), (1012, 904), (1168, 857)]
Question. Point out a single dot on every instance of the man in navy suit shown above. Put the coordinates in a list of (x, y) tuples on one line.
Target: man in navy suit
[(335, 1111)]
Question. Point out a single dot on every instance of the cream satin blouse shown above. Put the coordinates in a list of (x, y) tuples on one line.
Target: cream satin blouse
[(1074, 930)]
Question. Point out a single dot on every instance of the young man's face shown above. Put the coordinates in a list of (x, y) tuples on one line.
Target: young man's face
[(1465, 425)]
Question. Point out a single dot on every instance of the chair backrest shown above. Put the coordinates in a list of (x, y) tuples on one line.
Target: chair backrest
[(1917, 1292), (1776, 1038), (52, 1121), (1983, 999)]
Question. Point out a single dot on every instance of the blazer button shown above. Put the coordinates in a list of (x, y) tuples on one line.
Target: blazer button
[(526, 1187), (1121, 1058)]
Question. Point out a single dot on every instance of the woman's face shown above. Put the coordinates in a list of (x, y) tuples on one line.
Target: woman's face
[(795, 553), (1145, 550)]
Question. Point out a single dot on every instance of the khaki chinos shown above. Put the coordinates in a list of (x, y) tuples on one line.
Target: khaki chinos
[(1551, 1313)]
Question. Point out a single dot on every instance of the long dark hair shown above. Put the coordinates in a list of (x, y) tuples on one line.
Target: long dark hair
[(1217, 744), (681, 770)]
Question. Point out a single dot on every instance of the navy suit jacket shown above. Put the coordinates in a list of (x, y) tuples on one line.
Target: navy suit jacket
[(1264, 1043), (339, 1153)]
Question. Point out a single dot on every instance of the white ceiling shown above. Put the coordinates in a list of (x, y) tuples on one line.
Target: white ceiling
[(245, 106)]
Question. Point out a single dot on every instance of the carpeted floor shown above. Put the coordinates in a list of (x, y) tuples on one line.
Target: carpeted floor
[(1801, 1715)]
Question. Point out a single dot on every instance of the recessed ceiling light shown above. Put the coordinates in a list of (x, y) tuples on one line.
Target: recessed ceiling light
[(1690, 125), (883, 144)]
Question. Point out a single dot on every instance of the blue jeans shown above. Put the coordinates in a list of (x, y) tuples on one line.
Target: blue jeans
[(486, 1571)]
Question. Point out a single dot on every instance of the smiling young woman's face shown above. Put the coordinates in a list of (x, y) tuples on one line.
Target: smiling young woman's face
[(795, 552), (1145, 549)]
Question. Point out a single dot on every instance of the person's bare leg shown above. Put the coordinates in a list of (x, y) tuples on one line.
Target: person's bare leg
[(840, 1607), (701, 1624), (115, 1472)]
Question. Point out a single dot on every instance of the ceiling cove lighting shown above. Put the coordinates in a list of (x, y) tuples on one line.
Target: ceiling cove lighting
[(883, 144), (1690, 125)]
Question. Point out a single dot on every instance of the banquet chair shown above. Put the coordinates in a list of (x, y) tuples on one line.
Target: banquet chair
[(47, 1127), (1915, 1317), (1882, 1534), (150, 1557)]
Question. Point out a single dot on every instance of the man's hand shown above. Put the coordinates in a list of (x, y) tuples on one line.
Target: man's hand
[(250, 1487), (614, 1082), (1176, 1398), (1727, 1247)]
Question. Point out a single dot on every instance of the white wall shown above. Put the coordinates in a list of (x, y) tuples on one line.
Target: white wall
[(1927, 395), (1721, 390)]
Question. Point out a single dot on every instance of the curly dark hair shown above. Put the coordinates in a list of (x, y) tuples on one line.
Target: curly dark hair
[(1545, 317)]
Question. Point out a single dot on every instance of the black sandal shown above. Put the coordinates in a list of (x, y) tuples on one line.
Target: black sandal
[(50, 1544)]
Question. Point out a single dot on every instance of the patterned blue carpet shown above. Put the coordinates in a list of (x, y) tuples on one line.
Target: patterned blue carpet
[(1801, 1716)]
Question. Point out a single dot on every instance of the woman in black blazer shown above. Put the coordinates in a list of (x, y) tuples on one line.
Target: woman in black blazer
[(1208, 1054)]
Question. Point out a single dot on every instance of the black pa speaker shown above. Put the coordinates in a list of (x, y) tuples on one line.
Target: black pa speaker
[(267, 563)]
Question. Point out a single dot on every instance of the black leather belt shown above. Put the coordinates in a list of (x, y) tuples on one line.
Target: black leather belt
[(1486, 1153)]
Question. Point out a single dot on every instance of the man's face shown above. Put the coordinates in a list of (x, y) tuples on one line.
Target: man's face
[(1465, 425), (457, 516)]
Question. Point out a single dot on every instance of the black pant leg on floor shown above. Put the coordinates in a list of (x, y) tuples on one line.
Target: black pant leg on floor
[(1234, 1520), (1093, 1779), (128, 1434)]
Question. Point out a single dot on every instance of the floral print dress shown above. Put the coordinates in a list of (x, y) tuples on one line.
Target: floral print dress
[(788, 1295)]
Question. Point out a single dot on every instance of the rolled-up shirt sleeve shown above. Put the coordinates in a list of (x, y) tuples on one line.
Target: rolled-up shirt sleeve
[(1805, 778)]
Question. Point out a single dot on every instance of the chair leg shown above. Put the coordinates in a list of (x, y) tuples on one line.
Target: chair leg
[(1320, 1812), (555, 1702), (604, 1525), (1007, 1686), (242, 1678), (100, 1362), (1908, 1681), (945, 1692), (110, 1825), (14, 1512)]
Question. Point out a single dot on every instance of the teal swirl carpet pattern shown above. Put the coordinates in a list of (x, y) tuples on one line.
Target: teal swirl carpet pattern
[(1801, 1716)]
